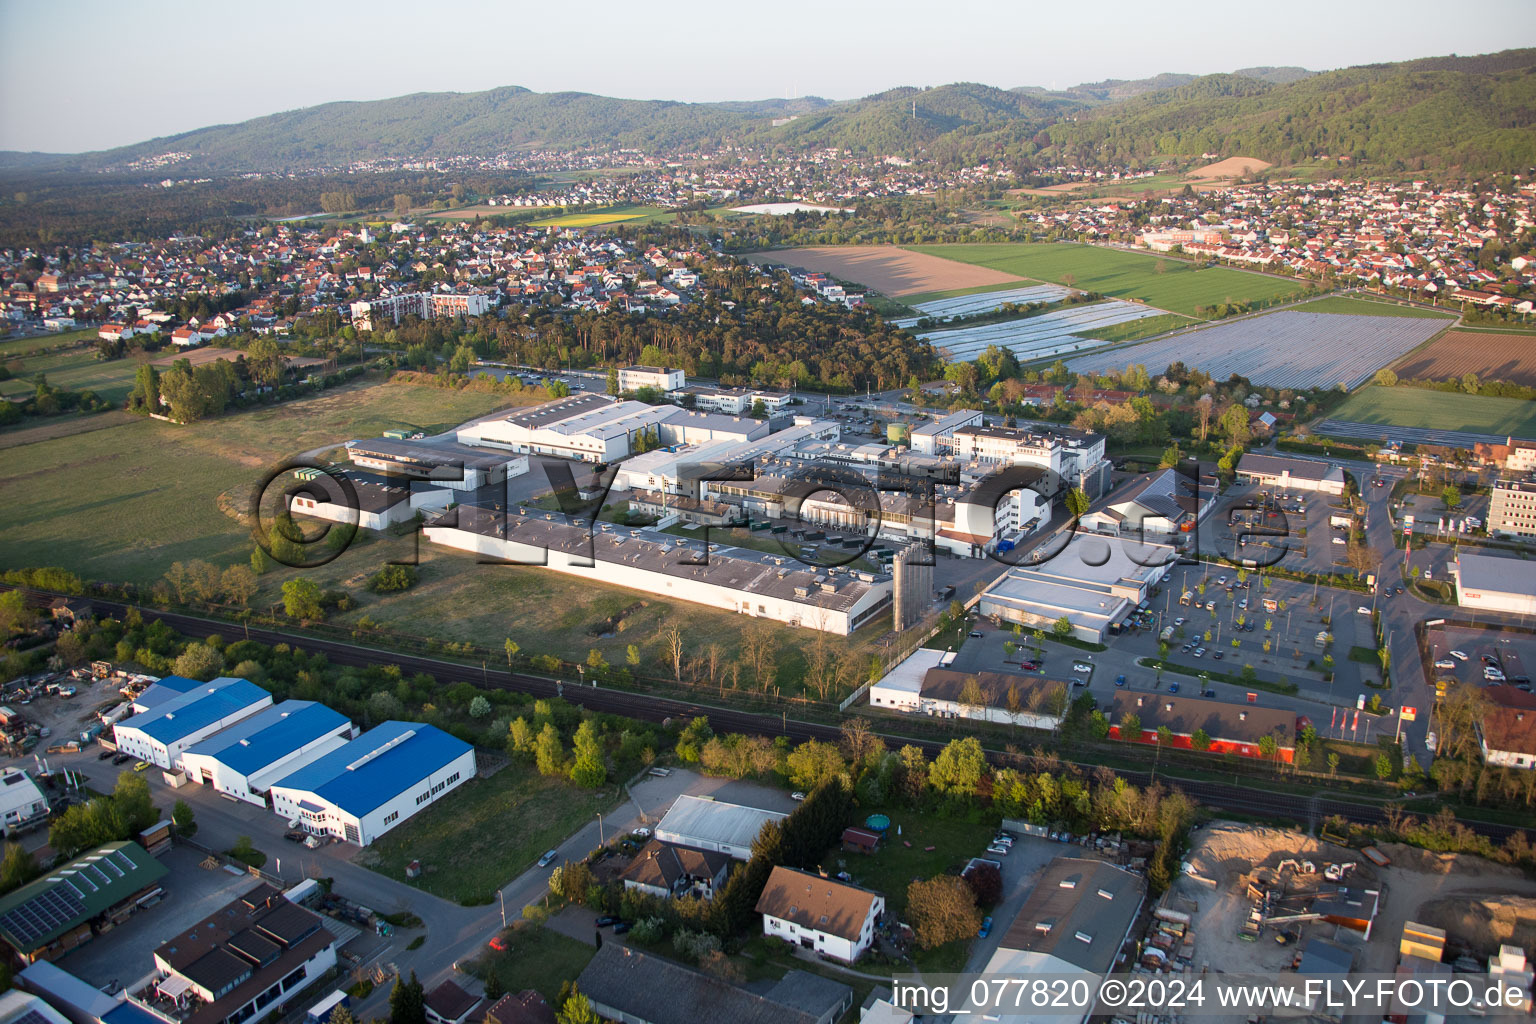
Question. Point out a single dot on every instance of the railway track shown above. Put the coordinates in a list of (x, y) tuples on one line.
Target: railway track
[(1306, 811)]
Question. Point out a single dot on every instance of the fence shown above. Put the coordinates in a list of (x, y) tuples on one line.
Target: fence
[(254, 872)]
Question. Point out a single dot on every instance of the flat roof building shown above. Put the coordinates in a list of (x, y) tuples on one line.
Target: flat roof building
[(1494, 583), (367, 786), (935, 437), (245, 760), (22, 804), (1093, 581), (1074, 922), (659, 378), (714, 825), (1290, 474), (1512, 508), (1230, 728), (239, 962), (445, 464), (161, 734), (51, 915)]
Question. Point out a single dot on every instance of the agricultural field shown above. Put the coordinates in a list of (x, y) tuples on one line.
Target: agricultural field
[(593, 218), (1043, 336), (74, 369), (1439, 410), (894, 271), (984, 302), (1175, 286), (1507, 357), (1371, 307), (166, 486), (1285, 349), (1231, 167), (482, 210)]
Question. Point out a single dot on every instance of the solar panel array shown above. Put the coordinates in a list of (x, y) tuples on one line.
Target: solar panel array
[(1286, 349), (53, 908)]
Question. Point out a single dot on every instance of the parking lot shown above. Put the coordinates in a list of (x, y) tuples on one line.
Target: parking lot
[(1290, 530), (1513, 654)]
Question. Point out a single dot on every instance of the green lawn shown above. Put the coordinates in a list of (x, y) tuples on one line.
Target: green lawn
[(1439, 410), (893, 867), (1369, 307), (76, 369), (486, 833), (125, 502), (1178, 287), (536, 957)]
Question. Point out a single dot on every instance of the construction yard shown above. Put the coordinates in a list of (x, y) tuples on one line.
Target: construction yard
[(1286, 889)]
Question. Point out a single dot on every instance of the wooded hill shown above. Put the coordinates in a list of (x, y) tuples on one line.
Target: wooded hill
[(1470, 113)]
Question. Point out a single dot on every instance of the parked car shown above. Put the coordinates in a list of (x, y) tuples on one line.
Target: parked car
[(103, 755), (1030, 666), (1186, 648), (1003, 840), (294, 835), (1218, 655), (606, 920), (142, 766), (620, 927), (797, 796), (1221, 581), (974, 634), (548, 858), (1363, 610), (498, 943), (1210, 606), (1119, 680), (1461, 655), (1180, 621), (1001, 851), (643, 833), (1078, 666), (1198, 652), (1173, 687), (985, 929), (1208, 693), (1445, 663), (121, 758)]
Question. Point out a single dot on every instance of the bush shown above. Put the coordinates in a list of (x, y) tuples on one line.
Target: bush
[(392, 578), (695, 945), (649, 930)]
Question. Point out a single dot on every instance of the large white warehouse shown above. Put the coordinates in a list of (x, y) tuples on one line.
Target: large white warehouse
[(245, 760), (162, 733), (369, 785)]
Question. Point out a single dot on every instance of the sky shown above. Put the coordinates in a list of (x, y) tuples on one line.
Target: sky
[(79, 75)]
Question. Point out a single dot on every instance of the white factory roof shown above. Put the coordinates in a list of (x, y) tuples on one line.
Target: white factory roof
[(907, 677), (715, 822), (1495, 573)]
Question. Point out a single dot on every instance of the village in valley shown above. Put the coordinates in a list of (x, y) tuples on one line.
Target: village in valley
[(782, 562)]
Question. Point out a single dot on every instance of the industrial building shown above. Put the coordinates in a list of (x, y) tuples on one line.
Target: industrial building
[(1160, 504), (735, 401), (164, 689), (832, 918), (368, 315), (594, 428), (454, 466), (1494, 583), (245, 760), (708, 824), (65, 908), (657, 378), (367, 786), (1230, 728), (239, 962), (937, 437), (834, 600), (924, 684), (162, 733), (1075, 921), (22, 804), (366, 501), (1285, 473), (678, 470), (1094, 582)]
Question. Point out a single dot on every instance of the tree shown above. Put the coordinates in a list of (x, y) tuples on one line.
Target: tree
[(199, 661), (512, 649), (958, 768), (813, 762), (1451, 496), (986, 882), (479, 707), (1130, 726), (548, 751), (402, 204), (1268, 747), (520, 739), (913, 773), (587, 768), (1200, 740), (1062, 627), (1077, 503), (183, 819), (972, 697), (577, 1010), (673, 640), (941, 910), (407, 1002), (1383, 766), (613, 380), (1234, 423), (301, 599), (1386, 378), (1333, 764), (15, 615), (1204, 407), (17, 868), (133, 802), (493, 990), (1171, 457), (239, 584), (266, 362)]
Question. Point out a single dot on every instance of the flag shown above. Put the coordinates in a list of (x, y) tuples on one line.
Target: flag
[(1334, 718), (1356, 726)]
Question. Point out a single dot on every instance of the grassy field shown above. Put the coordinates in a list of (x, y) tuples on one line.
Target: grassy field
[(1439, 410), (75, 369), (486, 833), (1368, 307), (612, 215), (1178, 287), (64, 339), (536, 957), (124, 503)]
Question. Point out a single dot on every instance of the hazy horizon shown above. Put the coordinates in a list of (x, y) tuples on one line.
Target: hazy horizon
[(167, 71)]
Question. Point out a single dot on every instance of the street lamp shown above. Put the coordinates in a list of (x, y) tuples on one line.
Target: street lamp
[(503, 897), (600, 841)]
